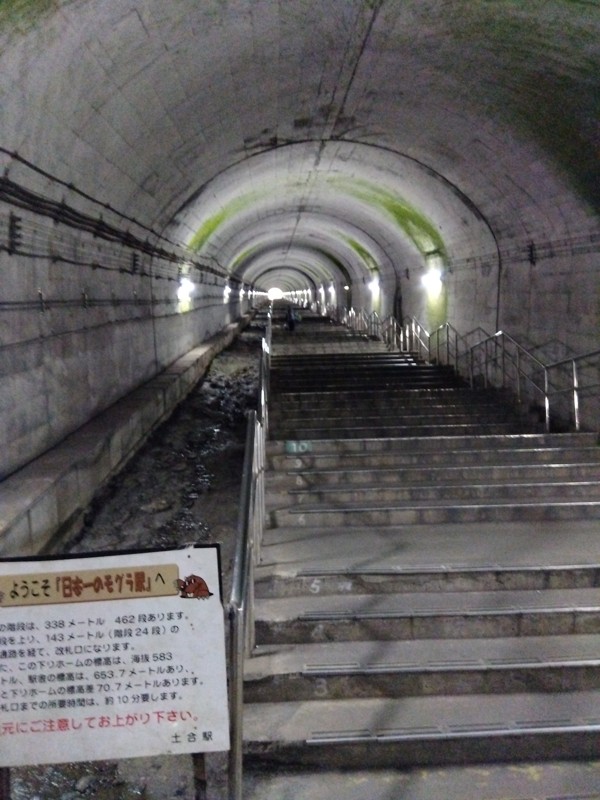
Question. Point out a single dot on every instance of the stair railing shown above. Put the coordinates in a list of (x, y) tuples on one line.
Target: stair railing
[(415, 338), (444, 345), (582, 376), (251, 523), (561, 386), (567, 390), (391, 332)]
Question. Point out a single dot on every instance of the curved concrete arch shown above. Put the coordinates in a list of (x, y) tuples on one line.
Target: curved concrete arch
[(286, 278), (355, 251), (460, 134)]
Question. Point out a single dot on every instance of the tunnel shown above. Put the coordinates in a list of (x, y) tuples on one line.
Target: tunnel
[(165, 165)]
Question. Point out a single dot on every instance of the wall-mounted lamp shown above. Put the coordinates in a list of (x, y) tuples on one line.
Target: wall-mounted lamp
[(185, 290), (184, 294), (432, 281)]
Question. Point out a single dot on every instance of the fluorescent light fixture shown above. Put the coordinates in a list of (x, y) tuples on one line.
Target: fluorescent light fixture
[(184, 292), (432, 281)]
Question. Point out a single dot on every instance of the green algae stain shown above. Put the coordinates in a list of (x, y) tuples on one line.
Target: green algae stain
[(214, 221), (21, 15), (416, 227), (364, 254), (242, 257), (205, 231)]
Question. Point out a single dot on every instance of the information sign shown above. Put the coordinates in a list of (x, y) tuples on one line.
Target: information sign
[(112, 656)]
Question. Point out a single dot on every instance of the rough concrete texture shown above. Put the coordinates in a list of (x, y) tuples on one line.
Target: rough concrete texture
[(182, 485), (52, 492), (314, 146)]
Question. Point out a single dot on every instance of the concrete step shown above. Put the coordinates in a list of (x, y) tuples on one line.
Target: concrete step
[(377, 375), (444, 578), (375, 494), (336, 670), (357, 383), (427, 615), (452, 415), (302, 457), (304, 454), (398, 431), (407, 354), (560, 780), (375, 409), (452, 557), (408, 396), (402, 476), (419, 642), (439, 512), (437, 730), (344, 362), (435, 444)]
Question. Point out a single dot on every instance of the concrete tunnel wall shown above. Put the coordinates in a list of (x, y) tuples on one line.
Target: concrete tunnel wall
[(247, 145)]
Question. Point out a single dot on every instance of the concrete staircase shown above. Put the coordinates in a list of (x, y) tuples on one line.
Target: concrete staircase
[(428, 589)]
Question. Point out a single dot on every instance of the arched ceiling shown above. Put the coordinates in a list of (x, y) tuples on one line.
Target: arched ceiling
[(303, 142)]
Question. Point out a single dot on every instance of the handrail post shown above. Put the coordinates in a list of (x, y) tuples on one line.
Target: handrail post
[(576, 396), (456, 351), (471, 370), (237, 702), (546, 402), (485, 365)]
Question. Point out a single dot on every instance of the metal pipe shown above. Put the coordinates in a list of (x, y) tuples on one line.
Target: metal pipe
[(236, 703), (236, 611), (546, 402), (576, 396)]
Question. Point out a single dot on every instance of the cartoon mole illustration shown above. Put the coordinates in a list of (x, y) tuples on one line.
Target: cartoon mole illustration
[(193, 586)]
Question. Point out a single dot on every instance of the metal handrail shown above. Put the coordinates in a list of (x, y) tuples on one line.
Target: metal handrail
[(446, 349), (576, 389), (497, 359), (415, 338), (251, 523)]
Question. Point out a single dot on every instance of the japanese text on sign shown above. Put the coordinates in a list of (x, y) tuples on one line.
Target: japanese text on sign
[(88, 585), (87, 671)]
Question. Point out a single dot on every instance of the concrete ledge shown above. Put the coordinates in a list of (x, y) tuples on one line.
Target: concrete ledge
[(50, 494)]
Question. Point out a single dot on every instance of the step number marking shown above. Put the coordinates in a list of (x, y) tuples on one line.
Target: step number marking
[(298, 447)]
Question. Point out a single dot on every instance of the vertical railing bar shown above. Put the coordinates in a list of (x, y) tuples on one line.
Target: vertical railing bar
[(471, 371), (546, 402), (576, 396)]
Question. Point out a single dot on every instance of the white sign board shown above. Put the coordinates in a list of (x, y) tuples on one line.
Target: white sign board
[(115, 656)]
